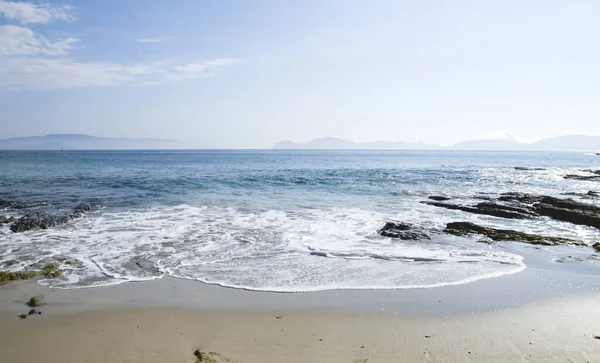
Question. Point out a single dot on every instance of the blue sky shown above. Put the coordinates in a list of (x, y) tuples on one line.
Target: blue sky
[(247, 74)]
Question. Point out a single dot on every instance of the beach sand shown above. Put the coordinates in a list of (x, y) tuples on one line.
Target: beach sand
[(82, 326)]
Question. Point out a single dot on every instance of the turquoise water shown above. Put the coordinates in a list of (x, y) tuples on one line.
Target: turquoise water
[(253, 219)]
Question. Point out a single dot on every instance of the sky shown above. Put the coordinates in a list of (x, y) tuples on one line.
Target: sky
[(248, 74)]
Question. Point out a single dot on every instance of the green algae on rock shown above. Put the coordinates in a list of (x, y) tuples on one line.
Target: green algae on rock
[(14, 276)]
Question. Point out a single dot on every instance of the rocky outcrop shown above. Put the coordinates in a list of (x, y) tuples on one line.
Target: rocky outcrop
[(520, 197), (402, 231), (45, 220), (38, 220), (597, 172), (596, 246), (468, 228), (568, 210), (490, 209)]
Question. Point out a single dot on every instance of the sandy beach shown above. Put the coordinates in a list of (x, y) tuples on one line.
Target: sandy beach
[(168, 319)]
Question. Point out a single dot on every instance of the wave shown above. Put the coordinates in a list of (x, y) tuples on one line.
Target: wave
[(270, 250)]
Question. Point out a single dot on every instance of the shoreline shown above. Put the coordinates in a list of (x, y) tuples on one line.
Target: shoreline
[(545, 313)]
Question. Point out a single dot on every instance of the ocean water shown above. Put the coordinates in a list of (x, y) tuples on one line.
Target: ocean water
[(275, 220)]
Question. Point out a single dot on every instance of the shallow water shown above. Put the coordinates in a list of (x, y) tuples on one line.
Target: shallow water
[(275, 220)]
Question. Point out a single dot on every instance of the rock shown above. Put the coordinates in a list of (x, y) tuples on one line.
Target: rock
[(4, 219), (491, 209), (568, 210), (5, 204), (14, 276), (38, 220), (467, 228), (589, 195), (597, 172), (44, 220), (520, 197), (34, 301), (202, 357), (582, 177), (524, 168), (402, 231), (23, 316), (32, 312), (596, 246), (51, 271), (439, 198)]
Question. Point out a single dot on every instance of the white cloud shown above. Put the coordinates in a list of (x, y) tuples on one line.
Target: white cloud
[(154, 40), (18, 40), (202, 69), (31, 61), (28, 13)]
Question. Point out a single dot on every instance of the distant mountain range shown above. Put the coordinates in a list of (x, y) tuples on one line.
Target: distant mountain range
[(507, 142), (85, 142)]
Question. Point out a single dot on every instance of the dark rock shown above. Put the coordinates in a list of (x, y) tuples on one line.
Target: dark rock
[(34, 301), (202, 357), (582, 177), (51, 271), (520, 197), (402, 231), (4, 219), (524, 168), (490, 209), (597, 172), (23, 316), (439, 198), (467, 228), (568, 210), (589, 195), (5, 204), (44, 220), (32, 312), (38, 220), (14, 276), (596, 246)]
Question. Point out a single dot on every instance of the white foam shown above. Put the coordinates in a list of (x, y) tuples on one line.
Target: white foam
[(272, 250)]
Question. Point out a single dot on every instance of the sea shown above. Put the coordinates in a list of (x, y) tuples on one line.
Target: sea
[(276, 220)]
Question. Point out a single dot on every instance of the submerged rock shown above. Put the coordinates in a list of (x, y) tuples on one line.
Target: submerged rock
[(51, 271), (439, 198), (524, 168), (4, 204), (467, 228), (589, 195), (402, 231), (582, 177), (487, 208), (4, 219), (45, 220)]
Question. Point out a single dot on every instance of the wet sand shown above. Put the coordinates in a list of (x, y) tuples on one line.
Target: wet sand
[(553, 331), (548, 313)]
